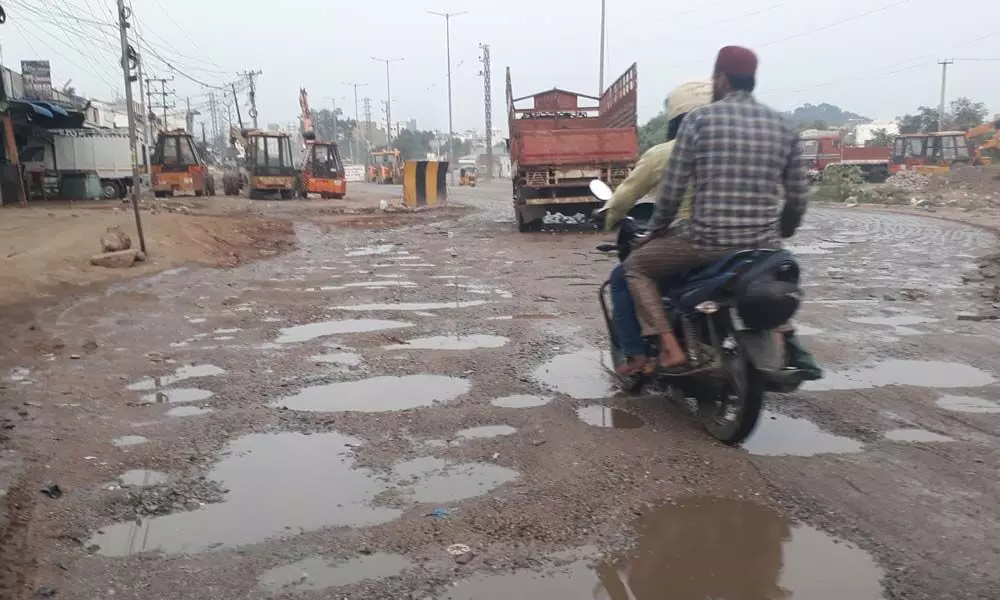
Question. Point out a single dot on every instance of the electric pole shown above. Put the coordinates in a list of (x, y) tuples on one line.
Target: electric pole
[(368, 121), (451, 129), (129, 58), (604, 27), (163, 93), (357, 118), (147, 129), (333, 104), (488, 102), (388, 98), (944, 80), (213, 111), (252, 79), (189, 116)]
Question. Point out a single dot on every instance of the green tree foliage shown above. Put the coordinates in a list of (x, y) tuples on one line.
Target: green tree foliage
[(826, 113), (653, 132), (323, 123), (413, 145), (881, 137), (966, 114), (924, 121)]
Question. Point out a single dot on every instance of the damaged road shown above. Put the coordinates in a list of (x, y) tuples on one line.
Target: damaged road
[(422, 412)]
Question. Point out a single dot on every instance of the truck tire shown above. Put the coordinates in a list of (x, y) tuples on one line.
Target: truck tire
[(111, 189), (521, 225), (160, 194)]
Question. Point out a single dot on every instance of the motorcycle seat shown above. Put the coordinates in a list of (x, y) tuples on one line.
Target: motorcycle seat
[(702, 283)]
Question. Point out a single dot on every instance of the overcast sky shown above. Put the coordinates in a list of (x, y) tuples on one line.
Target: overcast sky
[(874, 57)]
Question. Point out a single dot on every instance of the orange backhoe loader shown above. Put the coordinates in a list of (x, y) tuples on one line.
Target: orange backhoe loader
[(322, 170), (177, 168)]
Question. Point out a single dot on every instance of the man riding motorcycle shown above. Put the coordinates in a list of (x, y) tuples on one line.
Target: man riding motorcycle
[(641, 181), (737, 154)]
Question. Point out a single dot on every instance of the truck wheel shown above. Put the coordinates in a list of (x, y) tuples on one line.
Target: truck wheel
[(199, 193), (112, 189), (160, 194)]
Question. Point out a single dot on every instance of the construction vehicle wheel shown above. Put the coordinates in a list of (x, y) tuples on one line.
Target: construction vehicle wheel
[(160, 194), (521, 225), (287, 194), (199, 193), (338, 196)]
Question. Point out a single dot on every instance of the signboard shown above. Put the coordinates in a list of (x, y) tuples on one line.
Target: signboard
[(37, 79)]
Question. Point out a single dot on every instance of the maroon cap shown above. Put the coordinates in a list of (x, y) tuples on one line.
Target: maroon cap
[(736, 60)]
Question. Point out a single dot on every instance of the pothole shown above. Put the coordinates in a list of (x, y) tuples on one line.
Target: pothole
[(452, 342), (432, 480), (410, 306), (180, 374), (968, 404), (603, 416), (778, 435), (377, 394), (312, 331), (177, 396), (346, 359), (188, 411), (486, 431), (580, 375), (129, 440), (917, 373), (142, 478), (702, 548), (266, 498), (317, 573), (521, 401)]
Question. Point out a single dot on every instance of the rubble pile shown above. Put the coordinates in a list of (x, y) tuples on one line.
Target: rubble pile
[(908, 181)]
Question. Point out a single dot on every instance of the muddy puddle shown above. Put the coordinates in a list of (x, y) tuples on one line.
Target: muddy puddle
[(312, 331), (452, 342), (344, 359), (433, 480), (521, 401), (580, 375), (177, 396), (916, 435), (485, 432), (188, 411), (142, 478), (129, 440), (180, 374), (931, 374), (968, 404), (779, 435), (317, 573), (702, 549), (603, 416), (377, 394), (266, 498), (411, 306)]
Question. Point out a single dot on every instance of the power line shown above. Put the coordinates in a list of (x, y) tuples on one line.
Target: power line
[(834, 24)]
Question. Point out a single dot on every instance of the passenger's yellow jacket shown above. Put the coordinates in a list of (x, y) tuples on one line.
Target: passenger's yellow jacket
[(641, 181)]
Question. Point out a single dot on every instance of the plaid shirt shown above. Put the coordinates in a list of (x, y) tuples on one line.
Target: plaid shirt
[(737, 154)]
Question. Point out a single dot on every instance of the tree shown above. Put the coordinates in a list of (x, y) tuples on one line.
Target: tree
[(881, 137), (966, 114), (924, 121), (323, 124), (413, 145), (653, 132), (818, 124)]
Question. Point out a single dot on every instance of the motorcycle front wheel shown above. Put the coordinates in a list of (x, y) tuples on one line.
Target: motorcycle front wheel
[(730, 406)]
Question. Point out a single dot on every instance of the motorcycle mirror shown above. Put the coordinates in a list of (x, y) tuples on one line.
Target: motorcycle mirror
[(600, 190)]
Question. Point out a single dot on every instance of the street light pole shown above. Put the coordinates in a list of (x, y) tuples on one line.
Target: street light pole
[(357, 120), (388, 98), (451, 130)]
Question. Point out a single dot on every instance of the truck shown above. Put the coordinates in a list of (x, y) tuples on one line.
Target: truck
[(562, 141), (825, 148), (64, 154)]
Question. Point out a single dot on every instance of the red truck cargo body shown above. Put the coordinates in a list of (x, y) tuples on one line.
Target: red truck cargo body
[(563, 140), (827, 148)]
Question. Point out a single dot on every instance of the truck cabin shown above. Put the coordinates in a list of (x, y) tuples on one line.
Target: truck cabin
[(818, 148), (270, 155), (175, 152), (323, 161), (942, 148)]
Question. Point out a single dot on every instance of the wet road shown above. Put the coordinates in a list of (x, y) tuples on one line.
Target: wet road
[(331, 422)]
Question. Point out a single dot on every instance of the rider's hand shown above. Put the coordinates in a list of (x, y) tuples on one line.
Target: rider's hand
[(641, 241)]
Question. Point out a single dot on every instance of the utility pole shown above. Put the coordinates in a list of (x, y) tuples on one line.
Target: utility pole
[(163, 97), (357, 118), (147, 132), (388, 98), (189, 116), (368, 121), (252, 79), (128, 57), (488, 102), (604, 28), (451, 129), (944, 80), (204, 139), (333, 104), (213, 111)]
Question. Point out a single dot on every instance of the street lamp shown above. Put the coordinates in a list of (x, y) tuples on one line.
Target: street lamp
[(451, 133), (388, 98)]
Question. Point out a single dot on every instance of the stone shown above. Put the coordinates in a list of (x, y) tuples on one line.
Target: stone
[(114, 260), (115, 240)]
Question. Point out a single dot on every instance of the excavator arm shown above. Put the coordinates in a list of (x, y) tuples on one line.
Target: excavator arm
[(308, 133)]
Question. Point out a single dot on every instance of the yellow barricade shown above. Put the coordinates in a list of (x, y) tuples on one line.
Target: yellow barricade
[(425, 182)]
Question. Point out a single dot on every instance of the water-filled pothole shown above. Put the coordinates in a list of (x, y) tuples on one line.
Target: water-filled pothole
[(188, 411), (377, 394), (180, 374), (917, 373), (521, 401), (486, 431), (177, 396), (778, 435), (968, 404), (916, 435), (266, 498), (410, 306), (603, 416), (580, 375), (346, 359), (703, 548), (312, 331), (432, 480), (317, 573), (142, 478), (129, 440), (452, 342)]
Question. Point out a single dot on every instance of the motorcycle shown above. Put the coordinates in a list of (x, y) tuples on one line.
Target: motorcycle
[(727, 317)]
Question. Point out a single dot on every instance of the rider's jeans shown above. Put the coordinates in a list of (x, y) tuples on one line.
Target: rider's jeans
[(623, 315)]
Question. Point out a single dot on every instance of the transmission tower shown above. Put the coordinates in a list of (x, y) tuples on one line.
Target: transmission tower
[(368, 120), (163, 93), (213, 110), (488, 102)]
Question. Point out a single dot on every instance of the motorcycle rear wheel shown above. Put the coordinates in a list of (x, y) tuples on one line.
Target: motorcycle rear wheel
[(730, 408)]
